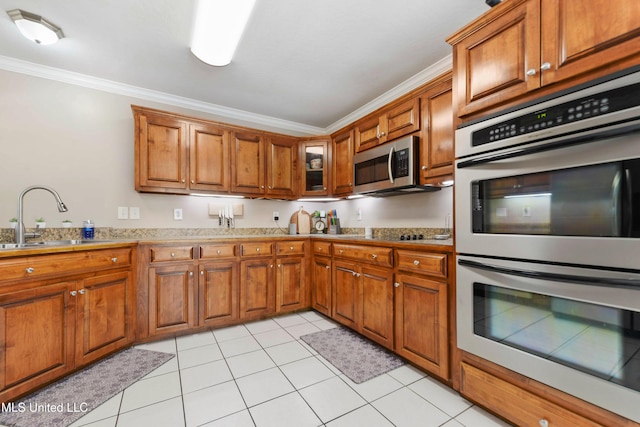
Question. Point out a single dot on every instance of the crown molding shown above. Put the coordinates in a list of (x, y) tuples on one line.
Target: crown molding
[(64, 76), (70, 77), (407, 86)]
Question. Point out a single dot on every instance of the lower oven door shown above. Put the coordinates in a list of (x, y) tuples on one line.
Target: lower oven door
[(574, 329)]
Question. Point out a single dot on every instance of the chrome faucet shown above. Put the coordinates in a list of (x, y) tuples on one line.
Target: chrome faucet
[(20, 233)]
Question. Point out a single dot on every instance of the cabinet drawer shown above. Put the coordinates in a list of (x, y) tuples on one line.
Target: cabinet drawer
[(524, 408), (40, 266), (217, 250), (423, 263), (290, 248), (256, 249), (170, 253), (371, 254), (322, 248)]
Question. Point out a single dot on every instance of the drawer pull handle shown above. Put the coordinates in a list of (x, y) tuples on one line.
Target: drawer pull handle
[(545, 66), (531, 72), (73, 293), (341, 251), (543, 423), (319, 249), (416, 262), (114, 259), (257, 249), (173, 255), (30, 270), (81, 291), (374, 256), (219, 252), (290, 248)]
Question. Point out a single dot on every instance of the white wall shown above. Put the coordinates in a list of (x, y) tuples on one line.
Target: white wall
[(80, 142)]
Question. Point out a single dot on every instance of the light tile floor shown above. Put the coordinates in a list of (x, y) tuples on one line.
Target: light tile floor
[(262, 374)]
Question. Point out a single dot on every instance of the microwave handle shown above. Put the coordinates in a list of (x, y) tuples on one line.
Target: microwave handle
[(540, 275), (389, 164)]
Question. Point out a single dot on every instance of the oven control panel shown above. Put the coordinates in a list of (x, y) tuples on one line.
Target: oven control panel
[(558, 115)]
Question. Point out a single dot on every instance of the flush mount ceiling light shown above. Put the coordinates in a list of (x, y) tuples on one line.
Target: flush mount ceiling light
[(35, 27), (218, 27)]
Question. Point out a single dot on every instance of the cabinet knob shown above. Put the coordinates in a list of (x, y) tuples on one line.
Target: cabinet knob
[(374, 256), (543, 423), (202, 272), (257, 249), (82, 291), (531, 72), (290, 248), (279, 265), (218, 251), (324, 188), (396, 285), (114, 259), (173, 255), (30, 270), (183, 181), (270, 265), (191, 274), (193, 182), (353, 273), (270, 187), (545, 66), (262, 187), (73, 293), (357, 274), (416, 262), (341, 251), (327, 267)]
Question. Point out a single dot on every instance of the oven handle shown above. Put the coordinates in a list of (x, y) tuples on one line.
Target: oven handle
[(566, 142), (592, 281), (628, 203)]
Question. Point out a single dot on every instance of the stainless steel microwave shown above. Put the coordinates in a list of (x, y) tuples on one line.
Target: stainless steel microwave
[(389, 169)]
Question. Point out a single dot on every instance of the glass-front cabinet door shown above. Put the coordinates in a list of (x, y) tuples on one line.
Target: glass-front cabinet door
[(314, 168)]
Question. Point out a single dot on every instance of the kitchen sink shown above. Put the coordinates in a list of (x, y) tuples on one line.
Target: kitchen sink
[(49, 243)]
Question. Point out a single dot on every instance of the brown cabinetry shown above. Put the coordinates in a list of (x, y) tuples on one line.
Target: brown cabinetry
[(521, 46), (362, 294), (172, 298), (421, 309), (247, 158), (437, 135), (314, 168), (342, 164), (282, 167), (388, 125), (55, 320), (175, 155)]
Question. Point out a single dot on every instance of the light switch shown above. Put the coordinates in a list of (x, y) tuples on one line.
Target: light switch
[(134, 212), (123, 212), (177, 214)]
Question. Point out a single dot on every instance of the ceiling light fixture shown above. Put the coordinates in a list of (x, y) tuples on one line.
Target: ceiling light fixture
[(35, 27), (218, 27)]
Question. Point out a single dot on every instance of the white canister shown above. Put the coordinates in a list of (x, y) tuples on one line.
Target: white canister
[(293, 228)]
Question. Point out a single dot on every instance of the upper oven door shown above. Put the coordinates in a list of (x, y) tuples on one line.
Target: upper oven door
[(577, 204)]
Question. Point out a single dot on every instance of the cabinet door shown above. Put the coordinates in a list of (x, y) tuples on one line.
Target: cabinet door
[(321, 285), (209, 158), (218, 293), (247, 164), (171, 299), (342, 164), (377, 305), (314, 167), (402, 119), (492, 61), (579, 36), (104, 312), (282, 165), (421, 323), (161, 154), (257, 291), (437, 142), (36, 339), (369, 133), (291, 289), (347, 295)]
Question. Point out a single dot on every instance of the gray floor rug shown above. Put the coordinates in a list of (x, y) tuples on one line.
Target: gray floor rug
[(355, 356), (63, 402)]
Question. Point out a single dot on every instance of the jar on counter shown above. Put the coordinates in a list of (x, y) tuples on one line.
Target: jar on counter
[(88, 229)]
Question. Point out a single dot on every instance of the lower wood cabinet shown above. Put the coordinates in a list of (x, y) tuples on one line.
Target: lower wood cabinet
[(172, 299), (218, 293), (321, 285), (291, 289), (257, 290), (64, 319)]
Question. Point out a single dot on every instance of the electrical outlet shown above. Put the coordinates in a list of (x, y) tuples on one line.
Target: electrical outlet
[(177, 214), (359, 214), (276, 215), (123, 212)]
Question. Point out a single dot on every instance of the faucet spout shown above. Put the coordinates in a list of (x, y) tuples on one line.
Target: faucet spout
[(20, 233)]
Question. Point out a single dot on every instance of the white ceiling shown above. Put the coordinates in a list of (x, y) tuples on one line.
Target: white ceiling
[(306, 65)]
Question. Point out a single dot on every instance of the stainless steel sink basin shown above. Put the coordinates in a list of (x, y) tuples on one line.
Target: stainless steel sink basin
[(49, 243)]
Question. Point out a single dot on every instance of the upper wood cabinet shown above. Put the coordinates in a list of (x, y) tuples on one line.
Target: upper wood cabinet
[(282, 167), (392, 123), (342, 163), (314, 167), (208, 158), (437, 134), (247, 158), (521, 46)]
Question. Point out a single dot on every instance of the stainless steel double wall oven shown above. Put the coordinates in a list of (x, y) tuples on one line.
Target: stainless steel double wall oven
[(548, 240)]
